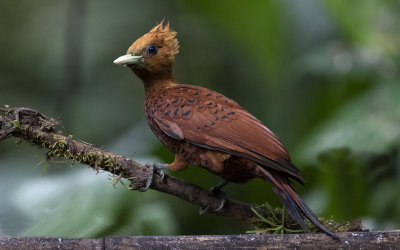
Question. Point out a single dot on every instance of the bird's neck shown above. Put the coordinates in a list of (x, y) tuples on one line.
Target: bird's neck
[(156, 85), (153, 81), (148, 76)]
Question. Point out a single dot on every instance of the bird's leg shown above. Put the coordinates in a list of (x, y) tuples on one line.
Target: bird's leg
[(217, 188), (153, 167), (216, 191)]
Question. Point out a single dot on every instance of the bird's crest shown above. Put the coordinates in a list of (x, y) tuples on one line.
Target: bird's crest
[(166, 35), (162, 36)]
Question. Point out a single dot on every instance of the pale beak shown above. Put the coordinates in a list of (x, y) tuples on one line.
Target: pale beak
[(128, 59)]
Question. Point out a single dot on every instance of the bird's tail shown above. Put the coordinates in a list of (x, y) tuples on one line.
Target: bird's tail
[(295, 206)]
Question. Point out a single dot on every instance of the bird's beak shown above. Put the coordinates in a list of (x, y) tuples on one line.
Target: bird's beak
[(128, 59)]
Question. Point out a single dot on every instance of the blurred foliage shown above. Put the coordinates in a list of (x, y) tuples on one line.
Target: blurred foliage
[(323, 75)]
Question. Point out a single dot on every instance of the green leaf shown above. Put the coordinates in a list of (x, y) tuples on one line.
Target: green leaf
[(367, 123)]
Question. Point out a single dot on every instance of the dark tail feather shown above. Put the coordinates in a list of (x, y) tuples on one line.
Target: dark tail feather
[(292, 208), (295, 206)]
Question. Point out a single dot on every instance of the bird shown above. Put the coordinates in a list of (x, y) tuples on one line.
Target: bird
[(207, 129)]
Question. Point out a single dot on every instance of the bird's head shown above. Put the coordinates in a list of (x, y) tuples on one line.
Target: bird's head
[(151, 56)]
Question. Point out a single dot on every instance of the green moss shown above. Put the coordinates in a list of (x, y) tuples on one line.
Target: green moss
[(60, 149), (280, 222), (276, 223), (16, 124)]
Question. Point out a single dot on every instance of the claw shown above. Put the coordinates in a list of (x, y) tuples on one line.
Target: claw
[(153, 167), (160, 169), (203, 210), (221, 197), (221, 205), (216, 191)]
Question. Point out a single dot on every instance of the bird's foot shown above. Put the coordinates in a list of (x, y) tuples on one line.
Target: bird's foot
[(216, 191), (153, 167)]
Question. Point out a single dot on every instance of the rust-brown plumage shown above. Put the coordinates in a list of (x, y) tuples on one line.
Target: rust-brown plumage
[(207, 129)]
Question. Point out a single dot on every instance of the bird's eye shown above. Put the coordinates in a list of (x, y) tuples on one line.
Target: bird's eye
[(151, 49)]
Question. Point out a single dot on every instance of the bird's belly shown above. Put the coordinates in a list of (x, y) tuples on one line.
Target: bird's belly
[(239, 170)]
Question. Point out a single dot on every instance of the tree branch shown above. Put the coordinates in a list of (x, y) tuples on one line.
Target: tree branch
[(30, 125)]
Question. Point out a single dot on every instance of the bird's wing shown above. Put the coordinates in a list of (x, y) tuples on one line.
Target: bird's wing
[(211, 120)]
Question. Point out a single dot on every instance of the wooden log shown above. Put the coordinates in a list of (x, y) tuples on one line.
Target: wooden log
[(355, 240)]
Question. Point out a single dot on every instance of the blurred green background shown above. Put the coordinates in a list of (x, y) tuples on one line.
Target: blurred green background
[(323, 75)]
